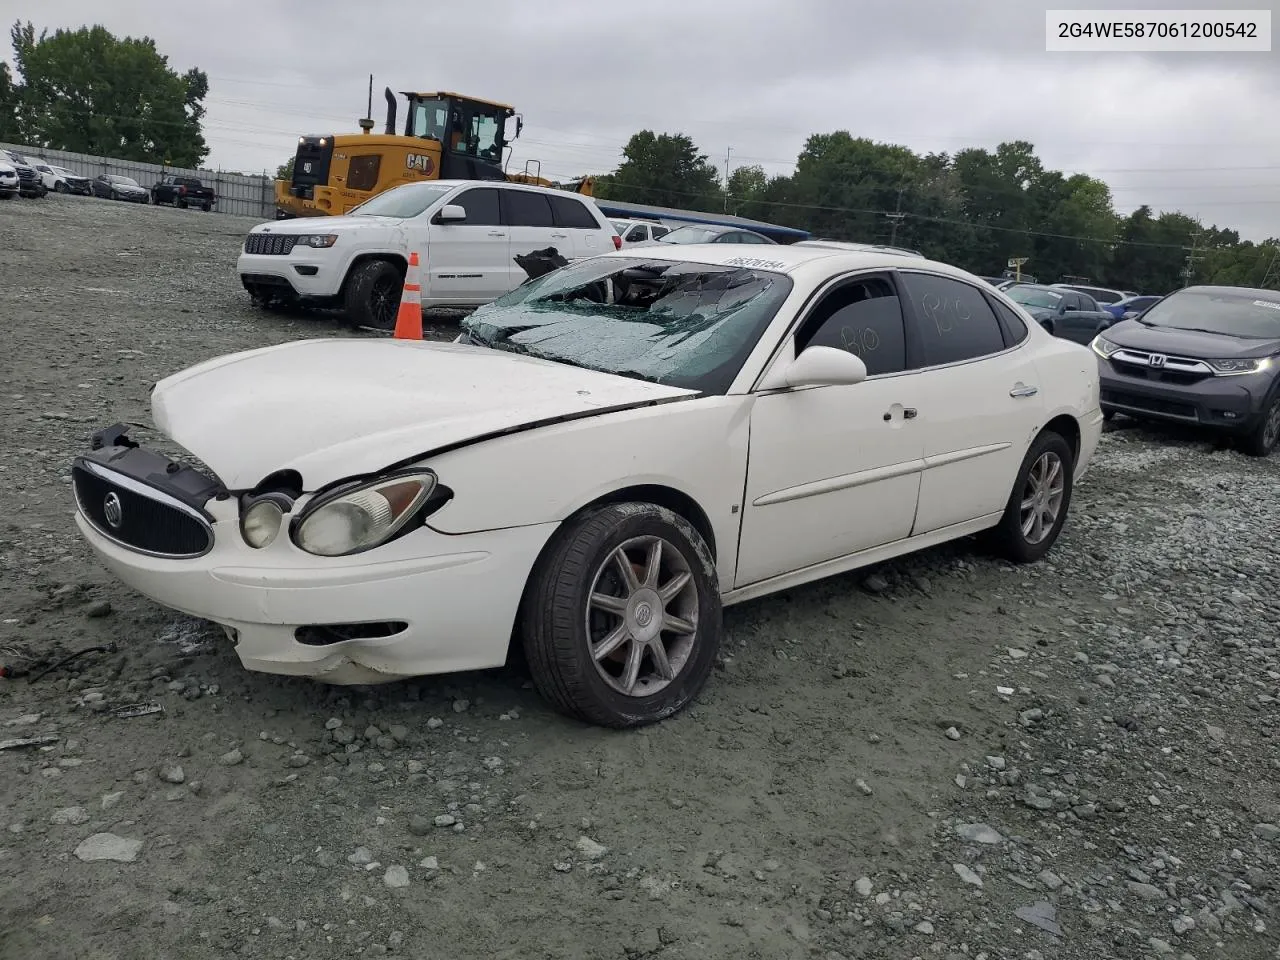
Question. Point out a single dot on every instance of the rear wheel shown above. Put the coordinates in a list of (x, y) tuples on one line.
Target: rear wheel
[(373, 294), (1262, 439), (622, 619), (1038, 505), (60, 187)]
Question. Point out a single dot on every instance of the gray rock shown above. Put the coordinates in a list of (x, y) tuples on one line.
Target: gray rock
[(98, 610), (590, 849), (70, 816), (361, 856), (231, 758), (1145, 891), (1050, 879), (1183, 925), (1042, 915), (967, 875), (430, 863), (924, 927), (420, 826), (172, 774), (875, 584), (863, 887), (979, 833), (952, 733), (446, 820), (108, 846), (396, 877), (1267, 832)]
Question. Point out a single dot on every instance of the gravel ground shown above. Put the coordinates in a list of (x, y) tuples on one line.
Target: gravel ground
[(943, 758)]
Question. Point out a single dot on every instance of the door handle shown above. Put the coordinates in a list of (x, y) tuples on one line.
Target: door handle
[(496, 233), (558, 236), (908, 413), (1021, 391)]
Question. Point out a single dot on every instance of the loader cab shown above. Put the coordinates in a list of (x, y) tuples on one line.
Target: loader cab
[(474, 134)]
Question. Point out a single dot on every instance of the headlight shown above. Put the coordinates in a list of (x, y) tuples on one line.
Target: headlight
[(1229, 368), (262, 517), (317, 240), (1104, 347), (359, 519)]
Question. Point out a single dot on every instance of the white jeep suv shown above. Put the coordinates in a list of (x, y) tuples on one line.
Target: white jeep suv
[(467, 234)]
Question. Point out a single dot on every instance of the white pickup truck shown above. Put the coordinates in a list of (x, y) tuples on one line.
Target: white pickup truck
[(466, 234)]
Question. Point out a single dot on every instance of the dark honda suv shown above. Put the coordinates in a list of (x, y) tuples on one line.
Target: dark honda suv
[(1202, 355)]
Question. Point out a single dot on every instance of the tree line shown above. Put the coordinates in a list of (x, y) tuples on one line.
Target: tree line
[(975, 208)]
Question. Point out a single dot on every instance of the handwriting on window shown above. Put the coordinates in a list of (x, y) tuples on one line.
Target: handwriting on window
[(859, 342), (945, 314)]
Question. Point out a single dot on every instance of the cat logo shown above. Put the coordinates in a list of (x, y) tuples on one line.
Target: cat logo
[(420, 161), (306, 166)]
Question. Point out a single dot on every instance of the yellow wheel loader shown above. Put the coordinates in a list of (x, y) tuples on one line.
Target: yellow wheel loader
[(445, 136)]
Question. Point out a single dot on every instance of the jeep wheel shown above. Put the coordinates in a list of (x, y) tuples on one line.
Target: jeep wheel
[(373, 294)]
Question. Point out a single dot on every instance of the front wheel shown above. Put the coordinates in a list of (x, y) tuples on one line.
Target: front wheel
[(373, 295), (1262, 439), (621, 621), (1038, 505)]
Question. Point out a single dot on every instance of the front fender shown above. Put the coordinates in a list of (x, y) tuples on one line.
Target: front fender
[(696, 447)]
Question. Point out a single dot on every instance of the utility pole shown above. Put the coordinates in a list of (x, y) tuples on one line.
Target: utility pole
[(1272, 280), (1189, 270), (895, 218), (727, 151)]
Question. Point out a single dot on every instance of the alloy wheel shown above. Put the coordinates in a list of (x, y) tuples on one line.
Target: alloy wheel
[(1042, 497)]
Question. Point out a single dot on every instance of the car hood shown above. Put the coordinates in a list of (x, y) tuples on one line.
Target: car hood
[(337, 408), (307, 225), (1188, 343), (128, 188)]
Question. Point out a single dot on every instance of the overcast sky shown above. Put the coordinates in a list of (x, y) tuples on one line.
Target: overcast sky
[(1194, 132)]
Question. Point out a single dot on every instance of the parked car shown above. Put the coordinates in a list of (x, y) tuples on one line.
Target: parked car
[(605, 458), (73, 182), (9, 183), (29, 182), (466, 233), (183, 192), (712, 233), (1103, 295), (114, 187), (1063, 312), (1207, 355), (1130, 307), (48, 176), (844, 245), (639, 231)]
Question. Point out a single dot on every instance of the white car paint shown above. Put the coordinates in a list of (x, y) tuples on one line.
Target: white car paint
[(462, 264), (48, 173), (794, 482), (8, 179), (639, 231)]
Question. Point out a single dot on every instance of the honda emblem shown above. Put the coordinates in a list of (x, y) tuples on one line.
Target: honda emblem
[(1156, 360)]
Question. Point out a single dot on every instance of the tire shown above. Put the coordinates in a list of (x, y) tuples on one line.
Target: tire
[(1049, 328), (1265, 434), (1008, 538), (1108, 415), (558, 625), (206, 207), (373, 294), (60, 187), (180, 204)]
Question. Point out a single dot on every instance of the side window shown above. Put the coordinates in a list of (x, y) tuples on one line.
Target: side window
[(1015, 327), (1090, 304), (954, 321), (482, 207), (863, 317), (730, 237), (635, 233), (751, 238), (363, 173), (658, 231), (527, 209), (572, 213)]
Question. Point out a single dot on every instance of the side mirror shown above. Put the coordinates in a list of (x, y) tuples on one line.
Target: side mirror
[(451, 213), (1062, 307), (818, 367)]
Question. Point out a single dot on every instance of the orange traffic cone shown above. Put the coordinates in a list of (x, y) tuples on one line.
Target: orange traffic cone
[(409, 316)]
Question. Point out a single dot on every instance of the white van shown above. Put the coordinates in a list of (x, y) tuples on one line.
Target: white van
[(466, 234)]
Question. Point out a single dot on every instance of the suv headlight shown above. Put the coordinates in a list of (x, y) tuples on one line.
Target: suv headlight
[(317, 240), (355, 519), (1104, 347), (1230, 368)]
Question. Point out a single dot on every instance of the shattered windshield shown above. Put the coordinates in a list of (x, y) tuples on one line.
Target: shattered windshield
[(684, 324)]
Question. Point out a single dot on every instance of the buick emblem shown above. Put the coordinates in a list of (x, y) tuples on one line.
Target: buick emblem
[(1156, 360), (644, 615), (113, 511)]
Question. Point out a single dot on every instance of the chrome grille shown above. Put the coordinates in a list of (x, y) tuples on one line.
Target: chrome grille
[(139, 517)]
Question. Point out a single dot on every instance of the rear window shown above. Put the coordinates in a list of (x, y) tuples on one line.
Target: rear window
[(680, 323), (1250, 316), (572, 213)]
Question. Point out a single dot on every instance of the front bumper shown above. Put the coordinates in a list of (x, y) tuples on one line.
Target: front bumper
[(1232, 403), (427, 603), (84, 189), (133, 197), (304, 271)]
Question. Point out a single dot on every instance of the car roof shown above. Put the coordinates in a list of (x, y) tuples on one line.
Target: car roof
[(787, 258), (500, 184), (846, 245), (1259, 292)]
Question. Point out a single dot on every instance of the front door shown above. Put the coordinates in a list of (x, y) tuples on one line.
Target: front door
[(469, 262), (834, 470), (979, 399)]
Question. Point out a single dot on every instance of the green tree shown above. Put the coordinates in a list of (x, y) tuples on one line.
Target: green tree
[(285, 170), (9, 129), (664, 170), (90, 92)]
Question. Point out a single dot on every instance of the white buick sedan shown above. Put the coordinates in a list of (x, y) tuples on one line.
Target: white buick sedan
[(604, 459)]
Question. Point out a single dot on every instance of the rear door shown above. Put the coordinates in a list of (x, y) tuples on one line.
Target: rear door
[(978, 396), (468, 262), (577, 228), (531, 224)]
